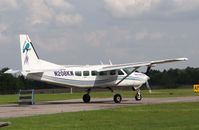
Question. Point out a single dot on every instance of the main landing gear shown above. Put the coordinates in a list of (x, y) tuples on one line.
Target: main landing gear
[(117, 98), (86, 97)]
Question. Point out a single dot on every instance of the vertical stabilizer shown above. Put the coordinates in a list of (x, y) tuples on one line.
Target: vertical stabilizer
[(29, 58)]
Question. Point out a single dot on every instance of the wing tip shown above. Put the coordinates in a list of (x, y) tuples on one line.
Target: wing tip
[(183, 59)]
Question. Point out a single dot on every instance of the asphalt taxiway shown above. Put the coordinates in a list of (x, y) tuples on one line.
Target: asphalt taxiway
[(74, 105)]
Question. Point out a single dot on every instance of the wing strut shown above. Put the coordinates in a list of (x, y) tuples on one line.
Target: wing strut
[(127, 76)]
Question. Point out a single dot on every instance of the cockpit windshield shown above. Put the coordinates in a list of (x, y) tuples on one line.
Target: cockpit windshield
[(128, 70)]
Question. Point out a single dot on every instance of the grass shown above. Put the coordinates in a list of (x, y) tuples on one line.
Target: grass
[(7, 99), (173, 116)]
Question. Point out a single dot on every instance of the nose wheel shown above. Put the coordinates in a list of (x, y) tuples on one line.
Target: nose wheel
[(138, 96)]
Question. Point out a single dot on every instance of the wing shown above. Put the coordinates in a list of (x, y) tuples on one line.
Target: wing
[(139, 64)]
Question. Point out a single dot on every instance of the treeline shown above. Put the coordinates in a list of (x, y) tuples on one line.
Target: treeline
[(171, 78), (174, 78), (10, 84)]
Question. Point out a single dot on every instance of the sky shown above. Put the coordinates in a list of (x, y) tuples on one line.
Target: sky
[(89, 31)]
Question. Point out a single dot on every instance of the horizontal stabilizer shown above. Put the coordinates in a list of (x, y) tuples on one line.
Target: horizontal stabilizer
[(15, 73)]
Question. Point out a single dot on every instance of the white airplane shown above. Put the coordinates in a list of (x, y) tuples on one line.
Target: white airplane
[(84, 76)]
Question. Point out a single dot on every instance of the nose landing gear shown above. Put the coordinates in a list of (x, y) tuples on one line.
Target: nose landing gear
[(138, 96)]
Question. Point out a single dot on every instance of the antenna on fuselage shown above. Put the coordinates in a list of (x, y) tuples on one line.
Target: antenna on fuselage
[(101, 62)]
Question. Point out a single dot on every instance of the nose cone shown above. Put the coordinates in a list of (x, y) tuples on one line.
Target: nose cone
[(146, 77), (143, 77)]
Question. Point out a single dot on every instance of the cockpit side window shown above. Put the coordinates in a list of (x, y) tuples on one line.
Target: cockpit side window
[(103, 73), (128, 70), (120, 72)]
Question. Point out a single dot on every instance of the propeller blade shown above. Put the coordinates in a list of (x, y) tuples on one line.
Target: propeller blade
[(148, 86), (148, 69)]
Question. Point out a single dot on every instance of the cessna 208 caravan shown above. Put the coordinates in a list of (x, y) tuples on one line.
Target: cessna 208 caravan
[(85, 76)]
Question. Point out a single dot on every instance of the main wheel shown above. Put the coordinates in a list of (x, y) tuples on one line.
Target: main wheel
[(117, 98), (86, 98), (138, 97)]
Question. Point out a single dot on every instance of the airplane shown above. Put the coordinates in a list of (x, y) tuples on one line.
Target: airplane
[(108, 76)]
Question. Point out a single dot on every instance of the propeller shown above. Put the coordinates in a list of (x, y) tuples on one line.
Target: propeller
[(147, 83), (148, 86), (148, 69), (146, 73)]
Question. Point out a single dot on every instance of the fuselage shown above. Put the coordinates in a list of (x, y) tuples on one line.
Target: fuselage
[(87, 76)]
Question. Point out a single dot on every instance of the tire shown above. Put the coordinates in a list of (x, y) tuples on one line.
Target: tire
[(138, 97), (86, 98), (117, 98)]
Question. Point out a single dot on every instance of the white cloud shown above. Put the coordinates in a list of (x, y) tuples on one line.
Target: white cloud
[(52, 46), (148, 35), (108, 37), (124, 8), (47, 21), (38, 12), (3, 34), (8, 5), (133, 8), (96, 38), (185, 5), (57, 11), (59, 5), (69, 19), (3, 28)]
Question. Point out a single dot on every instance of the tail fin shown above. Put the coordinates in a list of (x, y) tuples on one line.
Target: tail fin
[(29, 58)]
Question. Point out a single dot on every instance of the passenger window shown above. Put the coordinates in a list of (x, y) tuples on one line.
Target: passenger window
[(120, 72), (112, 72), (94, 73), (103, 73), (71, 73), (86, 73), (78, 73)]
